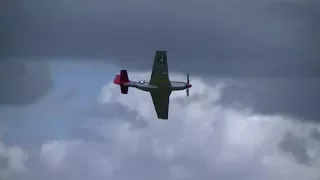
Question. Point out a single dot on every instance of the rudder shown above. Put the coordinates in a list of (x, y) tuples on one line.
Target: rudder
[(124, 76)]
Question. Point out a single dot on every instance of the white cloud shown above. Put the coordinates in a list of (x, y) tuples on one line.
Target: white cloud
[(64, 156), (54, 153), (227, 140), (15, 158)]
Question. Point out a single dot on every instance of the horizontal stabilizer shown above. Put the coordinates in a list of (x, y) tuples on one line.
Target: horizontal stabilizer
[(124, 89)]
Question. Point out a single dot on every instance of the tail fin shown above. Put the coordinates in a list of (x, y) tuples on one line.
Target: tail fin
[(121, 79)]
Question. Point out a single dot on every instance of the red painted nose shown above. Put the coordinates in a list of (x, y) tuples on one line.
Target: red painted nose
[(189, 85)]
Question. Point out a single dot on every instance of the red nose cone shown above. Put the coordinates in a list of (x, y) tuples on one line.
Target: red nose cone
[(189, 85)]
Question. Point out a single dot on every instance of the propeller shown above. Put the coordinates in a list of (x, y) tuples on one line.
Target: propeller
[(188, 85)]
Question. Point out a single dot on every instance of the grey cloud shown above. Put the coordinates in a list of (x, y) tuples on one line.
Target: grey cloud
[(71, 93), (90, 118), (254, 39), (23, 83), (108, 110), (82, 164), (151, 167), (78, 164), (4, 162), (316, 135), (291, 96), (64, 122), (154, 168), (113, 111), (250, 40), (309, 12), (296, 147), (179, 172)]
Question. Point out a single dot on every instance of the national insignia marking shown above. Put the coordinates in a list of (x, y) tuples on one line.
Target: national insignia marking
[(162, 60)]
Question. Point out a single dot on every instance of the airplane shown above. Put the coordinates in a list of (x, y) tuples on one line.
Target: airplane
[(159, 86)]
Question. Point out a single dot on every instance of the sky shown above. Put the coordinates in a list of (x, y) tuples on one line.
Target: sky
[(268, 44), (253, 110)]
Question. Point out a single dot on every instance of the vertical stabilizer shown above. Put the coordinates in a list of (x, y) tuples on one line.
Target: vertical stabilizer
[(121, 79)]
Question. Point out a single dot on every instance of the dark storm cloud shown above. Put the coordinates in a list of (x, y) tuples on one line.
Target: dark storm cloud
[(297, 146), (309, 12), (316, 135), (298, 96), (221, 38), (23, 83), (291, 96)]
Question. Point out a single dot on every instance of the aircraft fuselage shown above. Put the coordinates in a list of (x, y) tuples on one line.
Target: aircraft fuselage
[(145, 86)]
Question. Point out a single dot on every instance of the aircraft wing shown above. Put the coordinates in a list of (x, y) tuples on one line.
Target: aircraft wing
[(159, 75), (161, 103)]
